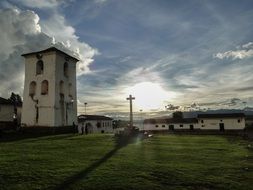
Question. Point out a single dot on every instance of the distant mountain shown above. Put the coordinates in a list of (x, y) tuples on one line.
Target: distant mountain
[(246, 111)]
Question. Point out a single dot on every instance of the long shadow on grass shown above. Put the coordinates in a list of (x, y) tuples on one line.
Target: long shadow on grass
[(120, 143)]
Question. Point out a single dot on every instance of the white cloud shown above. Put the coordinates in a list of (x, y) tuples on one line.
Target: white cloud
[(245, 51), (21, 32), (248, 45), (41, 3), (51, 4), (57, 27), (100, 1), (15, 26)]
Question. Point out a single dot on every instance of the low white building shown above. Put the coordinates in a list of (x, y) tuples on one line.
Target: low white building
[(94, 124), (165, 124), (218, 121), (225, 121), (8, 112)]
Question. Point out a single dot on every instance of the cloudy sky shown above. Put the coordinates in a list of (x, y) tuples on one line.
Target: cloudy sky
[(195, 54)]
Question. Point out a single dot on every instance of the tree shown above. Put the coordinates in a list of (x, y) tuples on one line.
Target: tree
[(115, 124), (15, 99)]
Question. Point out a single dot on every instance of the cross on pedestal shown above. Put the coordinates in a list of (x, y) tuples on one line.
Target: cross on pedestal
[(130, 98)]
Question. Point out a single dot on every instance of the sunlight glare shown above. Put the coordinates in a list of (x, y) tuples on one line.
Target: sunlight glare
[(149, 95)]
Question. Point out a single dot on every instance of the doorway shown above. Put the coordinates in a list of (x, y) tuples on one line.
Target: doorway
[(62, 109), (191, 127), (222, 128), (171, 127)]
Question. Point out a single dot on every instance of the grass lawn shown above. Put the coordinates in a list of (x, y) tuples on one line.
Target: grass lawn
[(98, 162)]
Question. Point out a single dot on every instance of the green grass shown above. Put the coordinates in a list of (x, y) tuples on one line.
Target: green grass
[(98, 162)]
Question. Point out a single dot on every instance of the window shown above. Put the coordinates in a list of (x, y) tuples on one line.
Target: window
[(66, 69), (44, 87), (156, 126), (238, 120), (163, 125), (39, 67), (32, 89), (202, 121), (37, 114), (181, 125), (61, 87), (202, 125), (70, 90), (221, 120), (98, 124), (62, 99)]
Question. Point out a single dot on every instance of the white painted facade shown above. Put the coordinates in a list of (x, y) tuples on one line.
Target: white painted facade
[(167, 126), (55, 105), (93, 127), (155, 127), (214, 123), (234, 121)]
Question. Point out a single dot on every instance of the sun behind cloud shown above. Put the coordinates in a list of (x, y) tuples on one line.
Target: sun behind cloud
[(149, 95)]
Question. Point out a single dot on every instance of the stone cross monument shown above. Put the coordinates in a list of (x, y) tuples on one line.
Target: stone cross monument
[(130, 98)]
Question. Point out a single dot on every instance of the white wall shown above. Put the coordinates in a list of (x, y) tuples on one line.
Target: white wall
[(70, 109), (106, 126), (160, 127), (48, 105), (185, 125), (152, 127), (208, 124), (229, 123), (45, 102)]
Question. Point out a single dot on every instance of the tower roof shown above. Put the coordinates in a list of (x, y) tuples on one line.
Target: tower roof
[(48, 50)]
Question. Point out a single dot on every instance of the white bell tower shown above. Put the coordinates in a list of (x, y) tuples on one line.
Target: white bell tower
[(49, 97)]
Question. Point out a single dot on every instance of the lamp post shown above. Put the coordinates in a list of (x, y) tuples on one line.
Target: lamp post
[(141, 119), (85, 105), (67, 108)]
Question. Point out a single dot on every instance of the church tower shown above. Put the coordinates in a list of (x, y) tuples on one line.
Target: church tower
[(49, 97)]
